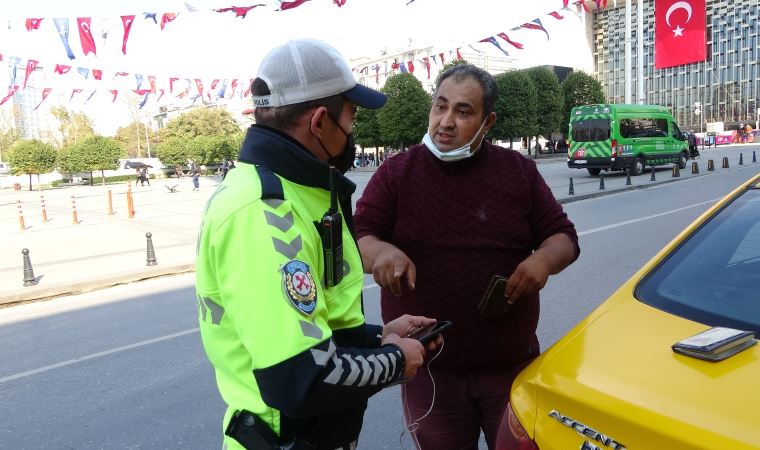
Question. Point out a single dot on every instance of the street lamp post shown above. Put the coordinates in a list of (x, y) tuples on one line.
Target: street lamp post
[(698, 112)]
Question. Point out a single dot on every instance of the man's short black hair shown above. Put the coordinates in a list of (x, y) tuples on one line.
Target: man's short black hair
[(485, 80), (286, 117)]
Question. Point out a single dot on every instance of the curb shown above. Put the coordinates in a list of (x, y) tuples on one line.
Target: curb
[(35, 293)]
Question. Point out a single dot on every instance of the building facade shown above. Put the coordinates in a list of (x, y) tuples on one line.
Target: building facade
[(726, 84)]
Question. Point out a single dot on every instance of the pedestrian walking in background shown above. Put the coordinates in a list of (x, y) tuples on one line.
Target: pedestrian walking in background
[(195, 173)]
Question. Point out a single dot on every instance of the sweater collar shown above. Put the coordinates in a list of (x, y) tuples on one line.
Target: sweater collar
[(291, 160)]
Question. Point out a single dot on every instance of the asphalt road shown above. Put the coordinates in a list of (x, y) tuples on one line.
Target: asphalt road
[(123, 368)]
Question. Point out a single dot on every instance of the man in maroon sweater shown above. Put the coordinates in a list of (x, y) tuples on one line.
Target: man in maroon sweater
[(434, 225)]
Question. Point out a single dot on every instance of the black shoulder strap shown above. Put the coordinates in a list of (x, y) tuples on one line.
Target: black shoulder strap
[(271, 186)]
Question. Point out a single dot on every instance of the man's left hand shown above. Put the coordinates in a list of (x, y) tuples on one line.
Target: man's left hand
[(528, 278)]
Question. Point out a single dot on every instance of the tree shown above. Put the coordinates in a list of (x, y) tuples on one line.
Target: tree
[(214, 148), (8, 132), (201, 122), (132, 138), (549, 100), (32, 157), (516, 107), (73, 126), (173, 151), (404, 119), (579, 88), (97, 153)]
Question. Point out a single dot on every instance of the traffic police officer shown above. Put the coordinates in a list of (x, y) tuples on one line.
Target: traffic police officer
[(279, 276)]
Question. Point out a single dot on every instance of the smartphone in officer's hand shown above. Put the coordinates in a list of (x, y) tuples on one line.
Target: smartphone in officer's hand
[(429, 333)]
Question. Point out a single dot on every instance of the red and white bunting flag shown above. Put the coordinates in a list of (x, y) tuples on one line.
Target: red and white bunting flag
[(61, 69), (248, 91), (127, 21), (121, 74), (161, 94), (33, 24), (214, 83), (115, 93), (583, 3), (73, 92), (240, 11), (85, 35), (410, 66), (516, 45), (152, 83), (171, 84), (426, 64), (97, 74), (679, 32), (291, 5), (440, 55), (459, 55), (556, 15), (199, 85), (11, 91), (339, 2), (166, 18), (234, 87), (45, 93), (30, 66), (141, 91)]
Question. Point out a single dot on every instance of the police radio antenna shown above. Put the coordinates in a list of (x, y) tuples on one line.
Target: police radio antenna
[(333, 192)]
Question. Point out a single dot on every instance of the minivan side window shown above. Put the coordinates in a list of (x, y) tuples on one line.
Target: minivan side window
[(643, 127), (591, 130)]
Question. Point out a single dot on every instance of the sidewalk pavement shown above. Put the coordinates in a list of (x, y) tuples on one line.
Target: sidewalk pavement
[(104, 250)]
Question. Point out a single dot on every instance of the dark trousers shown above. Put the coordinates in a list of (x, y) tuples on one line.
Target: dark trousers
[(466, 401)]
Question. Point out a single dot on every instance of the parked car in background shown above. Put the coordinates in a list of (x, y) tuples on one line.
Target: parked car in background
[(614, 381), (5, 168)]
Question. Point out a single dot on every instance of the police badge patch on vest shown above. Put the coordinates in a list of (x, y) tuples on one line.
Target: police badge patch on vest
[(299, 286)]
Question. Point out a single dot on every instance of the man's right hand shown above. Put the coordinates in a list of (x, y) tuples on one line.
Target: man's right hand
[(414, 353), (390, 265)]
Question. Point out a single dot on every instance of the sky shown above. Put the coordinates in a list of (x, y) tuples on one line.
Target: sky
[(209, 45)]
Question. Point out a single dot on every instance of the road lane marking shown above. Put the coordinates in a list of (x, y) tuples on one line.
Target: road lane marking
[(96, 355), (641, 219), (111, 351)]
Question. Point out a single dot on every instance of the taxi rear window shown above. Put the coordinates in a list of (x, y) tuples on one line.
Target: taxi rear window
[(591, 130), (714, 276)]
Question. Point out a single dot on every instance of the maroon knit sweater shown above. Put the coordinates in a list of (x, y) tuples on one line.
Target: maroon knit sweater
[(460, 223)]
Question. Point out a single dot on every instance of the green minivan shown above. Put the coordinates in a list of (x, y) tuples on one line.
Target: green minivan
[(620, 137)]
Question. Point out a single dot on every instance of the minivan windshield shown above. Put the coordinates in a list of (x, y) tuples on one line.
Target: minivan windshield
[(714, 276), (591, 130)]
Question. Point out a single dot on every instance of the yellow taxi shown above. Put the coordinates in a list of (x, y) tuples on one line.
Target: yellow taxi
[(616, 382)]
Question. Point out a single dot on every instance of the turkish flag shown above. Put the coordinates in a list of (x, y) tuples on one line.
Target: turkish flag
[(45, 93), (30, 66), (97, 73), (85, 35), (127, 21), (33, 24), (680, 32)]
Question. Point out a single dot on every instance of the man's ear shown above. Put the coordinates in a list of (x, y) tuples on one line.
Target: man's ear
[(490, 121), (317, 120)]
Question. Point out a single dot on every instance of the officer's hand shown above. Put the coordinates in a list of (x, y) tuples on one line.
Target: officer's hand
[(528, 278), (413, 351), (407, 325), (390, 265)]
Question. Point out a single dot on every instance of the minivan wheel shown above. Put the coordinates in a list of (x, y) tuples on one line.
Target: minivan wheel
[(682, 160), (594, 172), (637, 167)]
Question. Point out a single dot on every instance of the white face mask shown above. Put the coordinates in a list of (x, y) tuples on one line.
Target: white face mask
[(456, 154)]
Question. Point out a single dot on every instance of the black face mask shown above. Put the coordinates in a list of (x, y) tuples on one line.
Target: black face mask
[(345, 159)]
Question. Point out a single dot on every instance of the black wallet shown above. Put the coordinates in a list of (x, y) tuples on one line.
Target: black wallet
[(494, 302)]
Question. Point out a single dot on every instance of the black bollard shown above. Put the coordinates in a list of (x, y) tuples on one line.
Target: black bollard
[(676, 171), (754, 158), (725, 163), (741, 159), (628, 177), (694, 167), (29, 279), (710, 165), (151, 253), (601, 181), (652, 178), (572, 190)]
